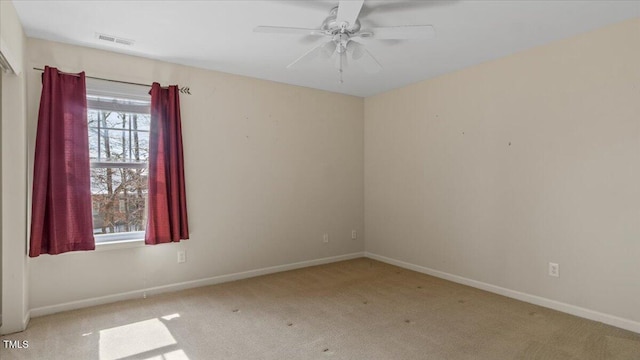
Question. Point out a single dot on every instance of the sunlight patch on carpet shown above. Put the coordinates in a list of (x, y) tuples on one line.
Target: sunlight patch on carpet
[(135, 339), (172, 355)]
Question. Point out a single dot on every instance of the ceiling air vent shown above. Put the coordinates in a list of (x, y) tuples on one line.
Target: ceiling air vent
[(114, 39)]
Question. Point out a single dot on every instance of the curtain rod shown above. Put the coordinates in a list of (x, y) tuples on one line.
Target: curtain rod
[(183, 90)]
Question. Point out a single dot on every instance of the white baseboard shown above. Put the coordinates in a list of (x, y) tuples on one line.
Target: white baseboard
[(136, 294), (533, 299)]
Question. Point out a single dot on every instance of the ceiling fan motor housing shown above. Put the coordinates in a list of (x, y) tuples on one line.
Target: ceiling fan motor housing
[(331, 25)]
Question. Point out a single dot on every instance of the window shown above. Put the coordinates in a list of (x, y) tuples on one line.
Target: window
[(119, 120)]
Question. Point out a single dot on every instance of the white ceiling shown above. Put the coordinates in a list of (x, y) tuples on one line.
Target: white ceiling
[(219, 35)]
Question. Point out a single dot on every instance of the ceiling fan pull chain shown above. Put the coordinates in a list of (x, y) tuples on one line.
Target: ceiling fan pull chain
[(340, 69)]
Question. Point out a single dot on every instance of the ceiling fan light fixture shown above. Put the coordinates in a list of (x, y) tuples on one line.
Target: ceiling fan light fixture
[(328, 49), (356, 50)]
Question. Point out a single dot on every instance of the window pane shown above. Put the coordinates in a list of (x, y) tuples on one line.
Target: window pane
[(114, 145), (92, 117), (144, 122), (140, 146), (93, 143), (112, 119), (118, 146), (119, 198)]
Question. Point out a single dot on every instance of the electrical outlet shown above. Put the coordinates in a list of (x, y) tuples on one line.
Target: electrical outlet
[(554, 269), (325, 238), (182, 256), (354, 235)]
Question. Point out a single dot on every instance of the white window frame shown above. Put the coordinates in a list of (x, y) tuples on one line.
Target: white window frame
[(136, 93)]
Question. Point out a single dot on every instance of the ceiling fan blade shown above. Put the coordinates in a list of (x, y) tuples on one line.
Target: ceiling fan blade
[(323, 50), (348, 11), (401, 32), (287, 30), (369, 63), (363, 58)]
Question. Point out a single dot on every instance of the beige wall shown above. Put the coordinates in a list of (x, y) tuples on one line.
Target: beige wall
[(269, 169), (491, 172), (13, 177)]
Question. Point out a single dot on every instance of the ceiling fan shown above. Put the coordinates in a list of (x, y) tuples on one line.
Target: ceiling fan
[(342, 26)]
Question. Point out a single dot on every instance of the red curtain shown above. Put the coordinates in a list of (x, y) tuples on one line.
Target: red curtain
[(61, 218), (167, 203)]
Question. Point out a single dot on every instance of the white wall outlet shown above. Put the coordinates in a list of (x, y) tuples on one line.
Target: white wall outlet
[(354, 234), (554, 269), (325, 238), (182, 256)]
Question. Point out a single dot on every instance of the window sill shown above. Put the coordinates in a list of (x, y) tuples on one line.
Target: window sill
[(119, 244)]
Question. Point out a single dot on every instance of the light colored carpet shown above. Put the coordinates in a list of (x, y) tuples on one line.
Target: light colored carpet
[(357, 309)]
